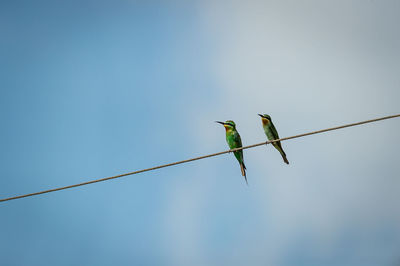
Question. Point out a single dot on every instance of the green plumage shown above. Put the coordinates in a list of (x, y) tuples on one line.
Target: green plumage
[(234, 141), (272, 134)]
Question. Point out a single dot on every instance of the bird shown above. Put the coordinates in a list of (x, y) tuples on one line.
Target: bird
[(272, 134), (234, 141)]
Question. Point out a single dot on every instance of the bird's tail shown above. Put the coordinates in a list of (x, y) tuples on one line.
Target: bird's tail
[(243, 168), (278, 146), (284, 156)]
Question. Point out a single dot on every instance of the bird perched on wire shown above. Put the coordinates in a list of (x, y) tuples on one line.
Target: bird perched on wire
[(234, 141), (272, 134)]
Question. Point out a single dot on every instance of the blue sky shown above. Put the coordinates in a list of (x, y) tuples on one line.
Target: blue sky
[(91, 89)]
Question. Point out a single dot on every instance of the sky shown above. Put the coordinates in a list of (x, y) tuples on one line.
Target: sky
[(91, 89)]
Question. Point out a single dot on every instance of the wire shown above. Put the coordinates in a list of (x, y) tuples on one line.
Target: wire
[(197, 158)]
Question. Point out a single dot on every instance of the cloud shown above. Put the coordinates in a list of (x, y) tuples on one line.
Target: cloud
[(311, 65)]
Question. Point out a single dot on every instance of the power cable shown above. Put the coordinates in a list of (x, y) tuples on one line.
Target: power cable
[(197, 158)]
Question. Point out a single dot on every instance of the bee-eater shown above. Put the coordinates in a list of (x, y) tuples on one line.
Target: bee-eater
[(234, 141), (272, 134)]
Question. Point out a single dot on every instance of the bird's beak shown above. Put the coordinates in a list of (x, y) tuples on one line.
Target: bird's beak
[(261, 115), (222, 123)]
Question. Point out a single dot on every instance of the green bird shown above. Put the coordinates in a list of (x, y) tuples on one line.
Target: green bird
[(272, 134), (234, 141)]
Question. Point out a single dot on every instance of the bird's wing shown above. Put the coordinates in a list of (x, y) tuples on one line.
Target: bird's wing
[(238, 144), (238, 140), (234, 140), (274, 131)]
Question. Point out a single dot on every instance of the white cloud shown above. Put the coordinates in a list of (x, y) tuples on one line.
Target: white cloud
[(311, 65)]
